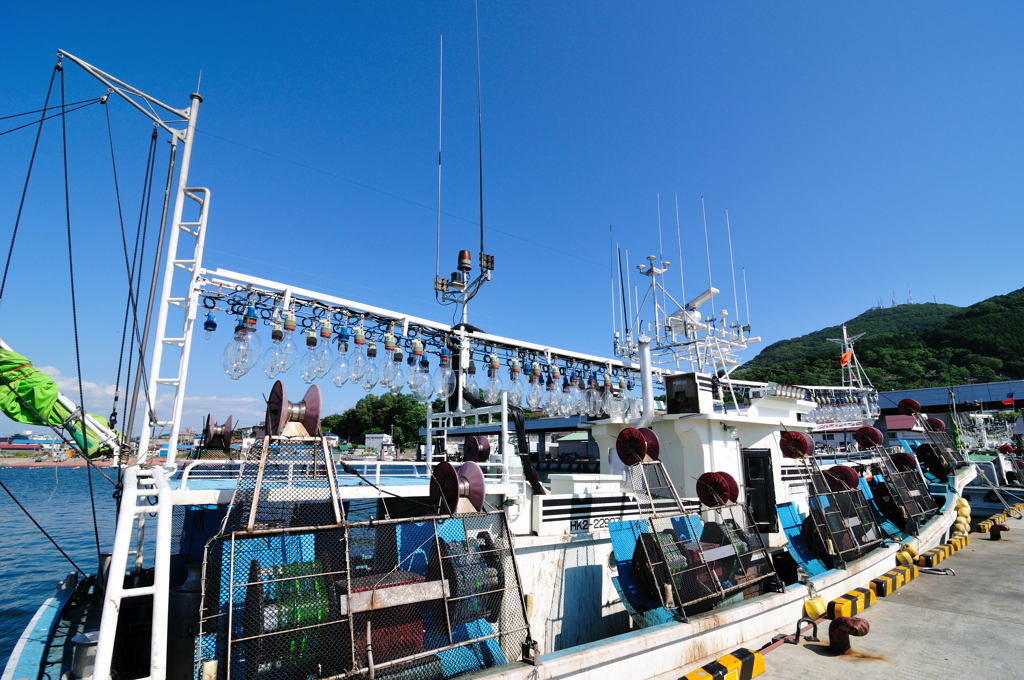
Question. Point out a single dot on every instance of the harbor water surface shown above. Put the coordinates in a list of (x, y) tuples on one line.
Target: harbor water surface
[(30, 567)]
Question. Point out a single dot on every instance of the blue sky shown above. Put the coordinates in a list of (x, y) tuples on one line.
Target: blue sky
[(860, 149)]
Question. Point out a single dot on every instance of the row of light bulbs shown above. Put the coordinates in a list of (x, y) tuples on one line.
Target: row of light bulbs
[(355, 361), (841, 407)]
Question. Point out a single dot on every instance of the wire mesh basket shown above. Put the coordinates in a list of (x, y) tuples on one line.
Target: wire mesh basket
[(293, 591), (693, 562)]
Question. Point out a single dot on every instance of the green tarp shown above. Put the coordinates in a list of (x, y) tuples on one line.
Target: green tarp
[(29, 396)]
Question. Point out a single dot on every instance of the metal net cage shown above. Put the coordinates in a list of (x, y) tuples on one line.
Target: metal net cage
[(695, 561), (653, 489), (943, 443), (285, 483), (292, 591), (901, 495), (840, 524)]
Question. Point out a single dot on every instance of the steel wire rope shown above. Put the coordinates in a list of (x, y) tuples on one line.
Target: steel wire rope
[(24, 189), (91, 100), (138, 256), (142, 374), (70, 110), (131, 304), (84, 447), (10, 251)]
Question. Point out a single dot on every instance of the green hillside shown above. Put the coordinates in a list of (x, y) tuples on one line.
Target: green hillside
[(915, 345)]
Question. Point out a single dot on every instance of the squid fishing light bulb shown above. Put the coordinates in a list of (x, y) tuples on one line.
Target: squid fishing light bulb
[(342, 364), (372, 374), (390, 370), (310, 365), (324, 358), (417, 380), (472, 382), (515, 387), (576, 394), (494, 386), (357, 365), (241, 353), (554, 389), (565, 402), (272, 357), (397, 368), (387, 373), (289, 352), (535, 394), (443, 381), (421, 387)]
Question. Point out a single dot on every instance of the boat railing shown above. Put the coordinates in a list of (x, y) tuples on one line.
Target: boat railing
[(377, 472)]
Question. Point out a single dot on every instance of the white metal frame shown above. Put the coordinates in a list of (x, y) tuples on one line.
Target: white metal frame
[(140, 485)]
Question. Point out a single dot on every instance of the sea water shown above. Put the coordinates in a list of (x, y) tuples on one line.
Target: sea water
[(30, 567)]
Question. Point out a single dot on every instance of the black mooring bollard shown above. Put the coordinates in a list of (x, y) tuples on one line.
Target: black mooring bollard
[(840, 630)]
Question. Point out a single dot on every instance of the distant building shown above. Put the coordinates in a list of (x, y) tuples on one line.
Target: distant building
[(973, 397)]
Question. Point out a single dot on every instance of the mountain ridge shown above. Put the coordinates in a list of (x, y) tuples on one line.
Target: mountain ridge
[(908, 346)]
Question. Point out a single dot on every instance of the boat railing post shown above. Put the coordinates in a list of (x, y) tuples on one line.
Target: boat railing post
[(428, 448), (115, 576), (161, 576), (504, 438)]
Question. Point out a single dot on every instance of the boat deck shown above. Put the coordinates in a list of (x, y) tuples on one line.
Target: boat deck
[(964, 626)]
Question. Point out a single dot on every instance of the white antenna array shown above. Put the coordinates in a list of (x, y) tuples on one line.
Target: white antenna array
[(681, 337)]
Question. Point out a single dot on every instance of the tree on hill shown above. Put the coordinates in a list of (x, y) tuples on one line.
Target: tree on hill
[(909, 346), (377, 414)]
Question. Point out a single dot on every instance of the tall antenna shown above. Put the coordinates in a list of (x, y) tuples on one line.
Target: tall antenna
[(440, 118), (611, 276), (479, 124), (661, 259), (732, 265), (629, 298), (679, 248), (661, 247), (746, 298), (707, 249), (624, 299)]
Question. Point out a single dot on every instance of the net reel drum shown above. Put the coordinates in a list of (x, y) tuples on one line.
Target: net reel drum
[(457, 490), (217, 437), (476, 448), (290, 418)]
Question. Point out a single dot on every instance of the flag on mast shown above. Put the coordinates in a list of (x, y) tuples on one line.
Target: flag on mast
[(844, 358)]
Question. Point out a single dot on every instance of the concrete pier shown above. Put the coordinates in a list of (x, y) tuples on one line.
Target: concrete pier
[(966, 626)]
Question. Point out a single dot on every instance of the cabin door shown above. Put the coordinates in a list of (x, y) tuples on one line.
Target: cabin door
[(760, 488)]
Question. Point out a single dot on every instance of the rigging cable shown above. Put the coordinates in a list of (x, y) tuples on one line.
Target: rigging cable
[(91, 100), (131, 304), (84, 448), (140, 372), (24, 189), (69, 110), (39, 526), (138, 256)]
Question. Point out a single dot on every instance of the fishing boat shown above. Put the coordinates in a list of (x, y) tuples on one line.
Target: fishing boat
[(707, 526)]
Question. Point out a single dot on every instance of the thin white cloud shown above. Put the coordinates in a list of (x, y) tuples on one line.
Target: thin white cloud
[(68, 385)]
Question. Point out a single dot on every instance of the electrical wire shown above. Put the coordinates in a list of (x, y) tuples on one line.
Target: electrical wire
[(84, 448), (24, 189)]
